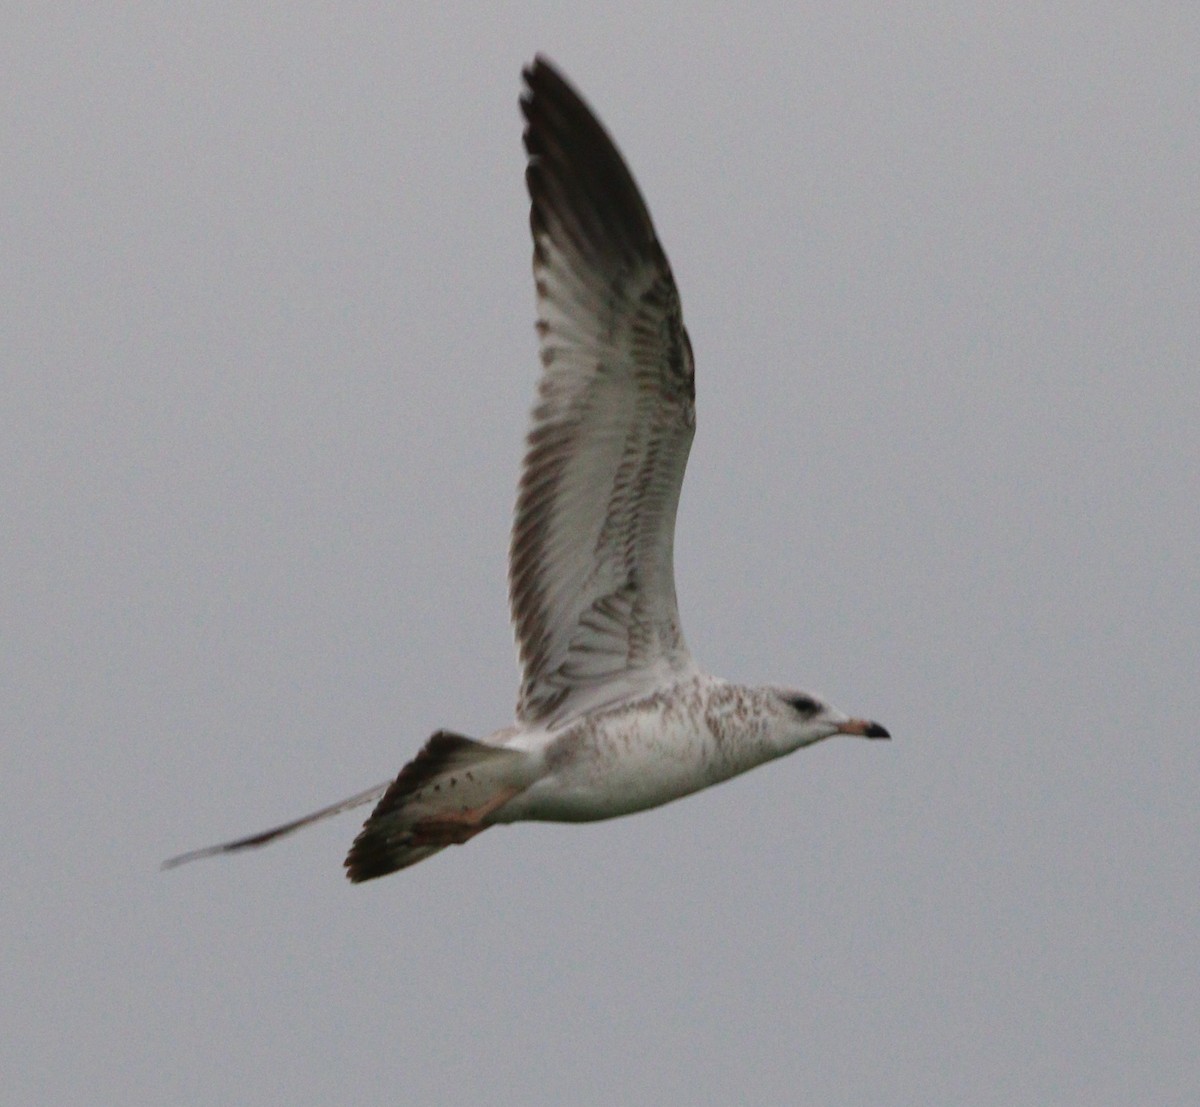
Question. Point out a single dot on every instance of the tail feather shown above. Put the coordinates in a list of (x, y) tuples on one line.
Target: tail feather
[(451, 774)]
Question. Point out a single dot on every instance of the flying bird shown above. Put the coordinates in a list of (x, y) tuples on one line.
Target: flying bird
[(613, 715)]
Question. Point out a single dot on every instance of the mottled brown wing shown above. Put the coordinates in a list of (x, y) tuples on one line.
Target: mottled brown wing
[(591, 578)]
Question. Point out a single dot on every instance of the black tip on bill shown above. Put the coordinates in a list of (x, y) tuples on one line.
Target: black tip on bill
[(874, 730)]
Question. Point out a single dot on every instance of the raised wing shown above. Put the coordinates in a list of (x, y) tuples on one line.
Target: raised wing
[(591, 579)]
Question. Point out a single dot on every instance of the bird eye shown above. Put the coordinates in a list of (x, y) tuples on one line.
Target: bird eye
[(806, 705)]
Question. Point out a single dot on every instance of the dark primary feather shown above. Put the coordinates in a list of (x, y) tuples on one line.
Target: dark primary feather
[(577, 178)]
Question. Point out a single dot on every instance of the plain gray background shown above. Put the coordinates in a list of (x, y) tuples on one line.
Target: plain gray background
[(267, 358)]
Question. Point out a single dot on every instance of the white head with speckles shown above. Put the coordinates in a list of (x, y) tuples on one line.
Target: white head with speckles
[(808, 719)]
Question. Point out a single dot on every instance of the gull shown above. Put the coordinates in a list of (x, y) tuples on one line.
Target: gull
[(613, 715)]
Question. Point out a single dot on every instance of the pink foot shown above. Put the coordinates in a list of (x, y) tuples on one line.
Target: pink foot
[(456, 827)]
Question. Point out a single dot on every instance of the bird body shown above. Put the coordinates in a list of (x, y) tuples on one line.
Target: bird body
[(643, 753), (613, 715)]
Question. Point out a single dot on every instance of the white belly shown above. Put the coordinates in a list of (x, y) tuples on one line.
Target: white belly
[(641, 755)]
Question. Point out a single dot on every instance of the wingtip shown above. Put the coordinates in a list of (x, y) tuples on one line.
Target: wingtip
[(540, 66), (191, 855)]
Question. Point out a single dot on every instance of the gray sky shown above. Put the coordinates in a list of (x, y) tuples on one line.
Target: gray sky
[(267, 358)]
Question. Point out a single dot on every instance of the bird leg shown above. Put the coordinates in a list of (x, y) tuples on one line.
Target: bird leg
[(456, 827)]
